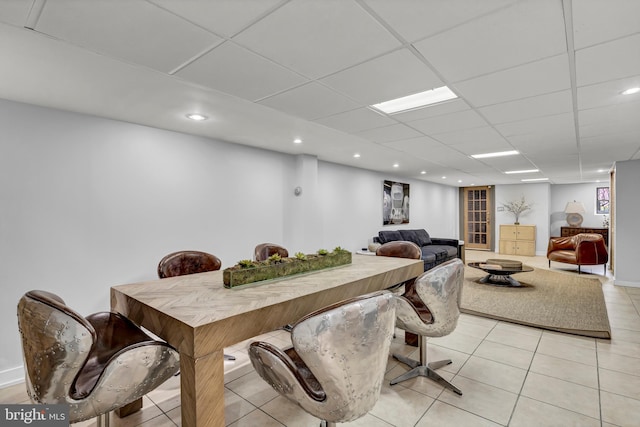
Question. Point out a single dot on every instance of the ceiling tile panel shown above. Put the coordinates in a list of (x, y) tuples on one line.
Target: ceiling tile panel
[(503, 39), (14, 12), (223, 17), (233, 69), (389, 133), (356, 120), (610, 119), (390, 76), (311, 101), (617, 59), (137, 32), (560, 124), (318, 38), (533, 79), (608, 93), (414, 19), (481, 137), (449, 122), (527, 108), (597, 21)]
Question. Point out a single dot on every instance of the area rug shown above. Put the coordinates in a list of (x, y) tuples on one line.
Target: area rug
[(555, 301)]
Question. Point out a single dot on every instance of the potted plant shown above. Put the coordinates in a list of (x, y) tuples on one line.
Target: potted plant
[(517, 207), (248, 271)]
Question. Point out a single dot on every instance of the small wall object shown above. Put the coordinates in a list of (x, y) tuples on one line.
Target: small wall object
[(248, 272)]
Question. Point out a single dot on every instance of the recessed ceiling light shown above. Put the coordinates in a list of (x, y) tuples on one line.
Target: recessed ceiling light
[(423, 172), (498, 154), (444, 177), (357, 155), (459, 180), (534, 179), (197, 117), (297, 141), (417, 100), (395, 165), (631, 91), (523, 171)]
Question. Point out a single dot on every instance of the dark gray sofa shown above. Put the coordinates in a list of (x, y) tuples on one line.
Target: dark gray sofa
[(434, 250)]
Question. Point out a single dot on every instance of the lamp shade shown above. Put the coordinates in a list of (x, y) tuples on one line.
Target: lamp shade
[(574, 207)]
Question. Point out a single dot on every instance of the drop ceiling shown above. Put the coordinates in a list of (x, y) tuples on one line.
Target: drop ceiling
[(543, 77)]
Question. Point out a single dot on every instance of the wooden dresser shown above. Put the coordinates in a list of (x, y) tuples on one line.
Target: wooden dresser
[(518, 240), (572, 231)]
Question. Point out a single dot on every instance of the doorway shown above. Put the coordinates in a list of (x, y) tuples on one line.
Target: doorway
[(477, 218)]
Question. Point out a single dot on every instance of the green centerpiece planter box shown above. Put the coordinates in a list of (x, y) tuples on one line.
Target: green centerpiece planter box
[(247, 272)]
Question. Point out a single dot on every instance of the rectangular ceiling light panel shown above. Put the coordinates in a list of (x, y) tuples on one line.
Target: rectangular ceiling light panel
[(498, 154), (417, 100)]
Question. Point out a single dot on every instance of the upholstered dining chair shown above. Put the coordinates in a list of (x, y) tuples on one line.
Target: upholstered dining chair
[(187, 262), (430, 307), (336, 366), (264, 250), (95, 364), (182, 263), (402, 249)]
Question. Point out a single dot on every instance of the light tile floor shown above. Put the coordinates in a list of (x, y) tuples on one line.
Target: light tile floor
[(511, 376)]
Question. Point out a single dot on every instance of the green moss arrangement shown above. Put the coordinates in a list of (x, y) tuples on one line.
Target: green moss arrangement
[(246, 271)]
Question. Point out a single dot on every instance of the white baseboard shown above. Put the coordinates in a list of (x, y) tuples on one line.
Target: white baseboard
[(627, 284), (11, 376)]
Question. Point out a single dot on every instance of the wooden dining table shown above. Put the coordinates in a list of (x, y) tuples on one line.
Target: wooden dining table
[(198, 316)]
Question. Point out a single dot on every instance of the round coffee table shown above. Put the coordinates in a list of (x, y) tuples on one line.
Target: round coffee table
[(500, 275)]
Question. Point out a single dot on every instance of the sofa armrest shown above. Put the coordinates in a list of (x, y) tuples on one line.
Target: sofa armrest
[(444, 241)]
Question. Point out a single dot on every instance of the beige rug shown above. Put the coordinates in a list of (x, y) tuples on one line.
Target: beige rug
[(556, 301)]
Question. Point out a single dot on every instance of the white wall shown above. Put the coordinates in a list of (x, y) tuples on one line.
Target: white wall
[(585, 193), (352, 206), (627, 225), (87, 203), (539, 195)]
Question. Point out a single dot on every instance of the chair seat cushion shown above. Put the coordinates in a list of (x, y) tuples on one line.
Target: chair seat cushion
[(566, 256)]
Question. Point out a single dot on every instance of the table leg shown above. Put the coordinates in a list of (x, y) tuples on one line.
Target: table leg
[(202, 390), (500, 280)]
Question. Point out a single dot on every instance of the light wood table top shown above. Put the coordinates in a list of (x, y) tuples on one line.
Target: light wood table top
[(200, 317)]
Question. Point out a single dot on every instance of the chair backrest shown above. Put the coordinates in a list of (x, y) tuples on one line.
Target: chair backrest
[(346, 347), (400, 249), (264, 250), (440, 290), (187, 262), (55, 342)]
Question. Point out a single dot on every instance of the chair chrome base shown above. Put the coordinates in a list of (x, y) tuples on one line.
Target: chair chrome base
[(427, 370), (325, 423)]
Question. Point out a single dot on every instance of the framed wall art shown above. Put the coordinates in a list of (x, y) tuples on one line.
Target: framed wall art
[(395, 203)]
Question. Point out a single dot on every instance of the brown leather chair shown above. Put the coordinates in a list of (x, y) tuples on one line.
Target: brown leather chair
[(264, 250), (336, 366), (402, 249), (581, 249), (187, 262), (94, 364), (182, 263)]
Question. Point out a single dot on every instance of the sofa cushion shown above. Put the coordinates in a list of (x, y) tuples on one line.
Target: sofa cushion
[(409, 236), (389, 236), (423, 237)]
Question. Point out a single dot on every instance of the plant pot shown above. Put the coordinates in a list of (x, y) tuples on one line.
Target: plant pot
[(238, 276)]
